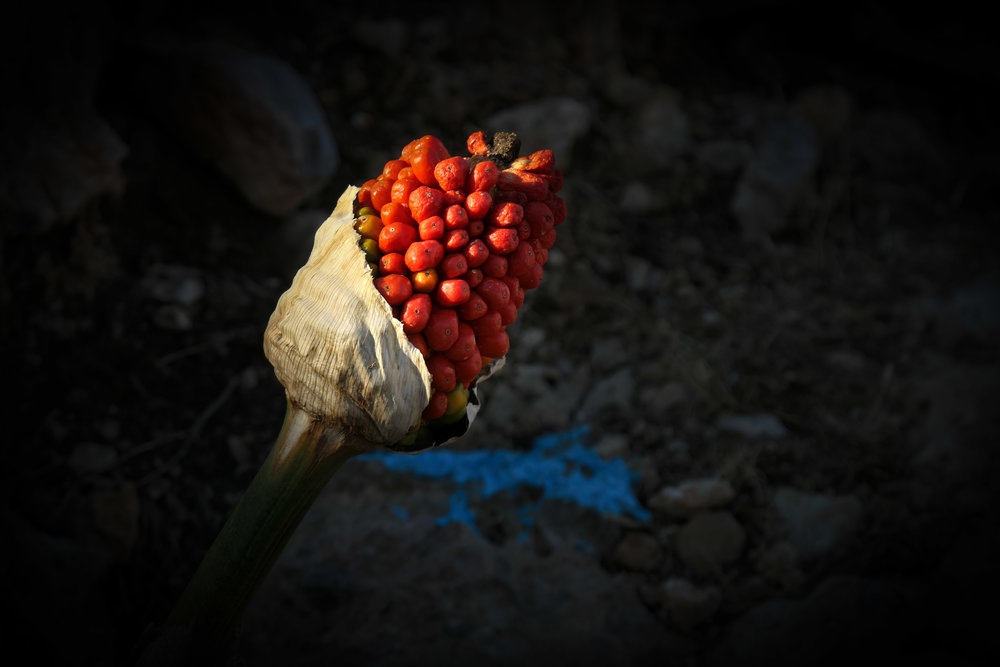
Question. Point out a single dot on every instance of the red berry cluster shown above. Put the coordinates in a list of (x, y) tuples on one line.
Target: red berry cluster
[(454, 243)]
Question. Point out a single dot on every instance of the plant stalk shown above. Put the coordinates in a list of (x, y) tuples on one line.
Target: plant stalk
[(206, 619)]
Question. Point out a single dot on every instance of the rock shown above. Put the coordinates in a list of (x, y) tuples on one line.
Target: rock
[(660, 131), (776, 177), (612, 392), (637, 551), (689, 605), (251, 115), (553, 122), (692, 496), (710, 541), (612, 446), (751, 426), (816, 523)]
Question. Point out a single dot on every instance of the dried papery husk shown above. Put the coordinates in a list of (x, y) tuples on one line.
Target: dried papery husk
[(338, 351), (335, 346)]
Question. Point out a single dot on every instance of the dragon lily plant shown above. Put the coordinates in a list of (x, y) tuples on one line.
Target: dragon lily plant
[(382, 340)]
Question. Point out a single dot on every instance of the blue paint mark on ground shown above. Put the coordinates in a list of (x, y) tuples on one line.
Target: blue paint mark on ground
[(560, 464)]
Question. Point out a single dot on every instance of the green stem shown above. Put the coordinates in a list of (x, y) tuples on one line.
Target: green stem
[(306, 455)]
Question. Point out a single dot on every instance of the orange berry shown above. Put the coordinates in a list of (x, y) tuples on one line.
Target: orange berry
[(425, 281)]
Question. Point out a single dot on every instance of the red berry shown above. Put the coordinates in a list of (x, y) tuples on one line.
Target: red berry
[(402, 188), (475, 228), (548, 239), (541, 254), (424, 202), (473, 277), (453, 265), (452, 292), (516, 292), (495, 266), (495, 293), (505, 214), (501, 240), (472, 309), (555, 179), (436, 407), (542, 161), (441, 331), (455, 239), (558, 207), (452, 197), (432, 228), (392, 262), (475, 253), (489, 323), (392, 167), (493, 344), (396, 237), (465, 346), (466, 370), (478, 204), (533, 278), (533, 186), (393, 212), (395, 288), (476, 143), (508, 314), (482, 177), (423, 255), (539, 217), (450, 173), (423, 155), (365, 192), (521, 260), (456, 217), (381, 193), (415, 313), (420, 343), (442, 372)]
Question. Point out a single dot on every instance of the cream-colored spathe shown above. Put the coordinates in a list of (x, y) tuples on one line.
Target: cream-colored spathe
[(336, 347)]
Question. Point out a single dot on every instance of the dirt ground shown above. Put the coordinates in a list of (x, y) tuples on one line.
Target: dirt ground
[(842, 347)]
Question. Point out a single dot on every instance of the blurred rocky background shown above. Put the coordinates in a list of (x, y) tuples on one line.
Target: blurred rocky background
[(745, 419)]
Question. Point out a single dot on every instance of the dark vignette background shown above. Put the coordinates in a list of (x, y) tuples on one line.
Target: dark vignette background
[(85, 361)]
